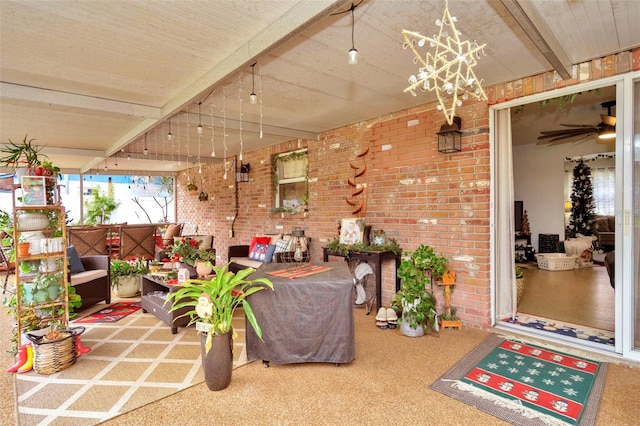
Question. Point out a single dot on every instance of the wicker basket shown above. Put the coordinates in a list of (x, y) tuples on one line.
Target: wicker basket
[(56, 355), (520, 289), (556, 261)]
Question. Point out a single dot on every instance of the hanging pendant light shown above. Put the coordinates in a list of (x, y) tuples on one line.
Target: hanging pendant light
[(169, 135), (253, 98), (353, 53), (199, 128), (145, 151)]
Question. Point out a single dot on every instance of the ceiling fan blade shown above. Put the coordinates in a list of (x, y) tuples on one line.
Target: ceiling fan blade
[(567, 133), (578, 125)]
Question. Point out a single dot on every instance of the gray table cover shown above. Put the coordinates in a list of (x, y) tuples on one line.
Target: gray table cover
[(306, 319)]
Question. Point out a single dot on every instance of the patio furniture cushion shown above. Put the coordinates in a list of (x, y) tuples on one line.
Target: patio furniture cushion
[(75, 263)]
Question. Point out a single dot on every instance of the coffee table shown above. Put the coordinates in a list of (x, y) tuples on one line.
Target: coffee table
[(154, 294)]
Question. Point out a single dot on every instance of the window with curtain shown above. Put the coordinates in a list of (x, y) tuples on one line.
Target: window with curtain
[(290, 181)]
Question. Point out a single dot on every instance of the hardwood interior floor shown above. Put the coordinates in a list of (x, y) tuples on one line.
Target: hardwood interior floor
[(579, 296)]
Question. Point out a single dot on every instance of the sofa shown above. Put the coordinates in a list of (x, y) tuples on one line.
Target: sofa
[(265, 249), (606, 228), (90, 276)]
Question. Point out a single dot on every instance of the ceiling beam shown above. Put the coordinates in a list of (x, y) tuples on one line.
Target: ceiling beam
[(73, 100), (528, 18)]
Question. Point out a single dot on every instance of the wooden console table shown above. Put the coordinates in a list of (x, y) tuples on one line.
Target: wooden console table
[(374, 258)]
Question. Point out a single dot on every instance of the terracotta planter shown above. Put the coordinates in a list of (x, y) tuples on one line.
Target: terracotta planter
[(23, 249), (218, 363), (127, 286), (203, 269)]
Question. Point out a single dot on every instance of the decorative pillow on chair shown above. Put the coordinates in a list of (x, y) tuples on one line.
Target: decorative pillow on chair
[(75, 264), (282, 246), (258, 240), (171, 232)]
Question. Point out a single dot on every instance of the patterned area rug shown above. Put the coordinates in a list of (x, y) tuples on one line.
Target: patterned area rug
[(582, 332), (300, 271), (525, 384), (132, 363), (112, 313)]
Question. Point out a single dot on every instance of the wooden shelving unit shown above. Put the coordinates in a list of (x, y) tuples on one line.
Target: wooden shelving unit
[(41, 275)]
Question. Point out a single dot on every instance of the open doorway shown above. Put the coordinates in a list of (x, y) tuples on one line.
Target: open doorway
[(573, 298)]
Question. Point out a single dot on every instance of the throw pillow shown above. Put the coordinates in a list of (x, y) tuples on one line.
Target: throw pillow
[(270, 250), (262, 252), (258, 240), (259, 252), (75, 264), (282, 246), (171, 232)]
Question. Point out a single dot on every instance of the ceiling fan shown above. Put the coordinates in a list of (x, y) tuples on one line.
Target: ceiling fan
[(605, 130)]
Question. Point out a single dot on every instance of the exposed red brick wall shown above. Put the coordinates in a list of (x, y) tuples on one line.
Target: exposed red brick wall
[(417, 195)]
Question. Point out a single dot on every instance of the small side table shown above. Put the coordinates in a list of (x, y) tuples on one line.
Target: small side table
[(447, 307), (375, 258)]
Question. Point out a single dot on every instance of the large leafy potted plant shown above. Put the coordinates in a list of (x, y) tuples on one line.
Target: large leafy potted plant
[(417, 304), (213, 304), (125, 276)]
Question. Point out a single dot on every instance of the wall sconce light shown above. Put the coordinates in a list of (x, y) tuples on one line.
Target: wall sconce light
[(253, 98), (450, 136), (242, 175)]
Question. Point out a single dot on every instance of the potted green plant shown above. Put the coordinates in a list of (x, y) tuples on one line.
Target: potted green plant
[(188, 253), (413, 300), (125, 276), (20, 155), (213, 304)]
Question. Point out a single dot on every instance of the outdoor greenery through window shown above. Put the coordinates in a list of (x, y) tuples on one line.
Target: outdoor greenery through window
[(290, 180)]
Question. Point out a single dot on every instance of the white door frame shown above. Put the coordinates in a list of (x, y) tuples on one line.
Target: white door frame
[(625, 278)]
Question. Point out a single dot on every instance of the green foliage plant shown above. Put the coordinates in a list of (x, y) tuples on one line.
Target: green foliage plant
[(126, 268), (220, 296), (99, 207), (416, 270)]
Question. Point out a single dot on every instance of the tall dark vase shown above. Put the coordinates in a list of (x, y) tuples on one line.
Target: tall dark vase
[(218, 363)]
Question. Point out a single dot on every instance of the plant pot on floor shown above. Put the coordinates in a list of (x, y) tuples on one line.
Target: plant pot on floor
[(127, 286), (218, 362)]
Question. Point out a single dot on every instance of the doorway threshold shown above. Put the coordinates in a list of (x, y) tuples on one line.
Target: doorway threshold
[(555, 338)]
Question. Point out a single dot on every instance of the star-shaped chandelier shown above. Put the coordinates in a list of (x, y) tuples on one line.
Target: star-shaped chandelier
[(449, 69)]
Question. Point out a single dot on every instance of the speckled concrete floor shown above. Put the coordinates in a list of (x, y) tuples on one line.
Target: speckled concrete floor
[(388, 382)]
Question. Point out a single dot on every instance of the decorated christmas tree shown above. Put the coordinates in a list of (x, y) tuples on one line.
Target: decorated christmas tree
[(582, 220), (525, 224)]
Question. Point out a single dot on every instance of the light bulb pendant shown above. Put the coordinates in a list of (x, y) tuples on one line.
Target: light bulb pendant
[(253, 98), (199, 129), (169, 136), (353, 56)]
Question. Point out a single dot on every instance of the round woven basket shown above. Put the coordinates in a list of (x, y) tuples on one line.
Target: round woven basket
[(56, 355)]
